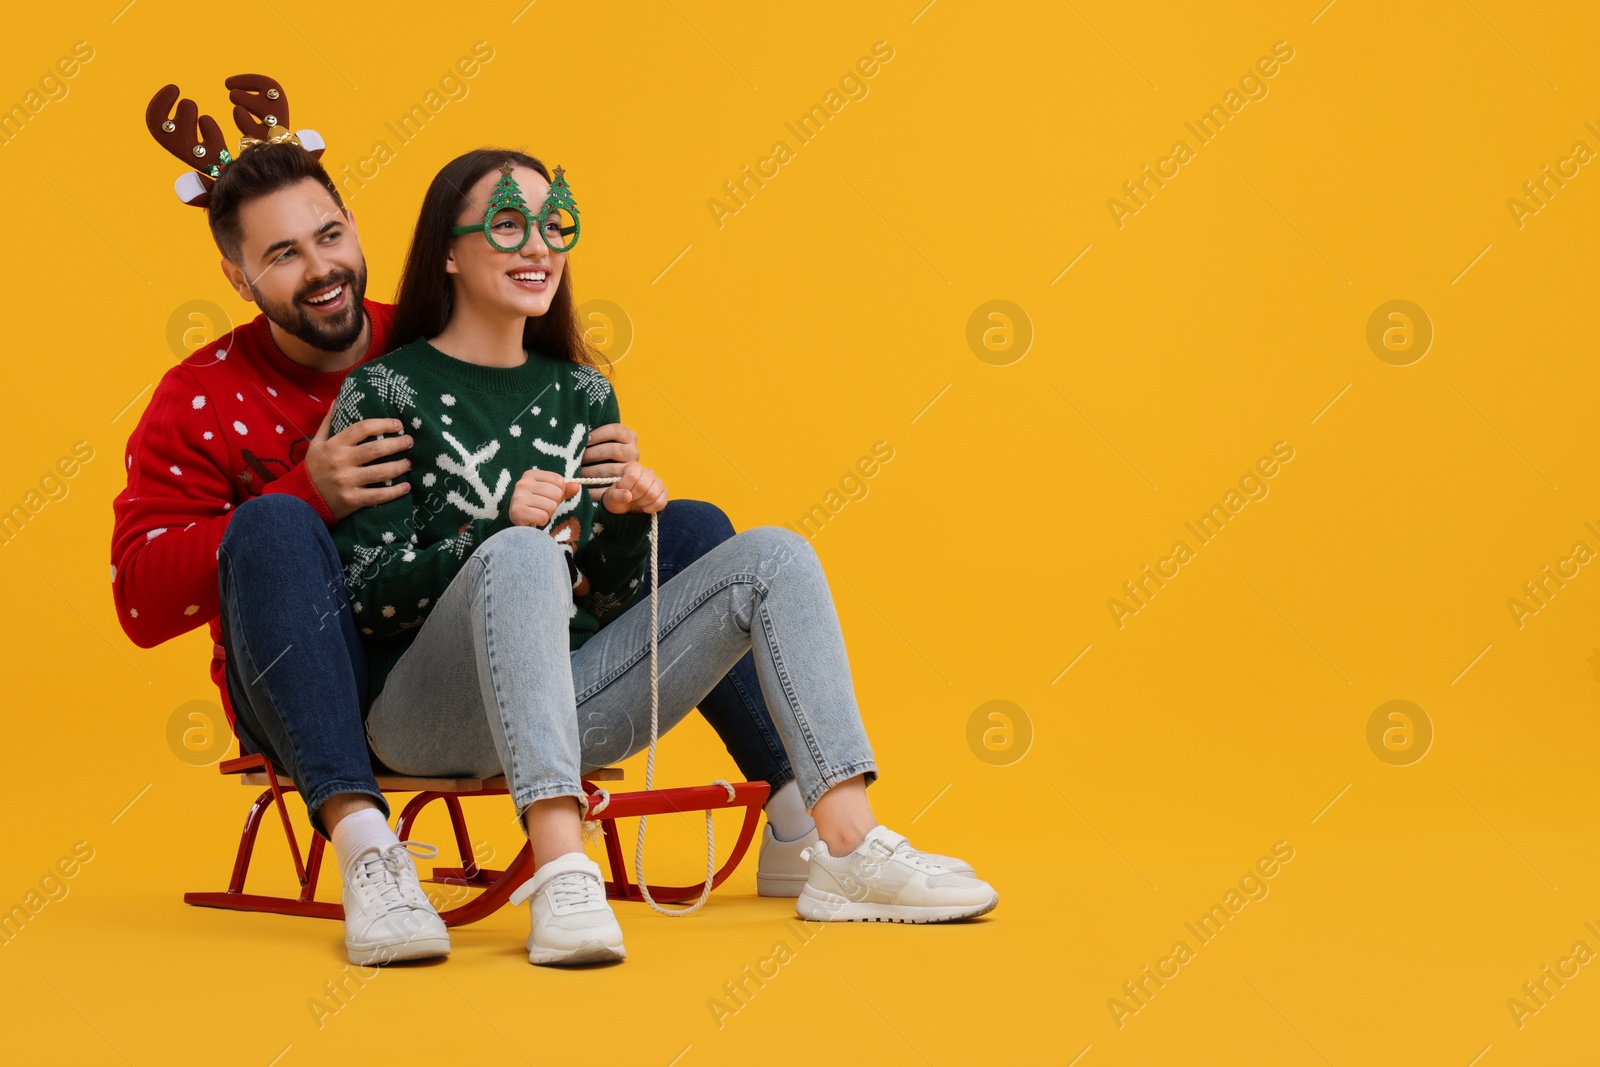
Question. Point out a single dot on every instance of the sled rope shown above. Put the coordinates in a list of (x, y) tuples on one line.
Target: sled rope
[(650, 759)]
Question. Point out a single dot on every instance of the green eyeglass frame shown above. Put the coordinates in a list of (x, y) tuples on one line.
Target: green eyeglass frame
[(507, 195)]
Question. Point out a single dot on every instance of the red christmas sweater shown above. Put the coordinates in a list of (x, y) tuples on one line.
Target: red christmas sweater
[(230, 422)]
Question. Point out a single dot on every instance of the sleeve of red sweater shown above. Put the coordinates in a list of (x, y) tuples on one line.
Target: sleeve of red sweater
[(169, 520)]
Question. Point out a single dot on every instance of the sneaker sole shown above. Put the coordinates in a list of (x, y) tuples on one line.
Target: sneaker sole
[(830, 907), (779, 885), (416, 949), (586, 952)]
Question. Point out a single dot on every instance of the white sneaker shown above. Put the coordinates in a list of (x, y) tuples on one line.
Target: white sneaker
[(886, 880), (781, 869), (572, 920), (387, 916)]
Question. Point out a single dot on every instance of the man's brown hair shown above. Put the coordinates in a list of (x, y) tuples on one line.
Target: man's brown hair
[(261, 170)]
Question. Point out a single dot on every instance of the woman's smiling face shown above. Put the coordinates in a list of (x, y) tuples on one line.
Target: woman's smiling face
[(519, 283)]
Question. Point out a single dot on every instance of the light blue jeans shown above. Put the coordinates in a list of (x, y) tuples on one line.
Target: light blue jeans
[(489, 685)]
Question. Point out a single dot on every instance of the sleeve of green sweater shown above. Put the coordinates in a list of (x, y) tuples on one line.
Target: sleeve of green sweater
[(393, 571), (618, 550)]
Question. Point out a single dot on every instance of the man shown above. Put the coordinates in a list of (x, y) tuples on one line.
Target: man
[(234, 483)]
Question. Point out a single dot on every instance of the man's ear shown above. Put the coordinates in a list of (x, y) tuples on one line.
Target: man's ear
[(236, 278)]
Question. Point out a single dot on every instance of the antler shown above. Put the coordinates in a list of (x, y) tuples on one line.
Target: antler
[(261, 111), (261, 107), (194, 138)]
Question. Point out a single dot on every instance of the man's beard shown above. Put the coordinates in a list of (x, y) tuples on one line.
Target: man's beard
[(333, 334)]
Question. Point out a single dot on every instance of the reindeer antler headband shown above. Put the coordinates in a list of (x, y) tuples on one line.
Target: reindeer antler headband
[(261, 111)]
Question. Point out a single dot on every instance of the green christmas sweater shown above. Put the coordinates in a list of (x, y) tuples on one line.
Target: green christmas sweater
[(475, 430)]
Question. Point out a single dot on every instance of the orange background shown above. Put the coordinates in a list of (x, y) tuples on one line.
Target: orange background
[(1040, 460)]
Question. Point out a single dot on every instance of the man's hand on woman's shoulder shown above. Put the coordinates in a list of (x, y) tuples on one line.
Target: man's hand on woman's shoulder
[(337, 465), (611, 447)]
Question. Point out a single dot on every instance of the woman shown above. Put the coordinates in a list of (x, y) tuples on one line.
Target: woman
[(491, 594)]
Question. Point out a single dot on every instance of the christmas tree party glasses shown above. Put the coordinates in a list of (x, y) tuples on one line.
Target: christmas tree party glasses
[(507, 222)]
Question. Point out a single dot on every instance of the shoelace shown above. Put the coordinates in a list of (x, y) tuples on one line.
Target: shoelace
[(903, 849), (916, 857), (389, 894), (575, 891), (650, 760)]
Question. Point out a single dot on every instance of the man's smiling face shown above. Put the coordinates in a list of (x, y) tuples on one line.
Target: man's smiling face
[(300, 261)]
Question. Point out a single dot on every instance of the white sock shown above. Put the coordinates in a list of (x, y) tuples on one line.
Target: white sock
[(786, 813), (359, 831)]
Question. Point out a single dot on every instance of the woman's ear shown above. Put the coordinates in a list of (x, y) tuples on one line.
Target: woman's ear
[(450, 266)]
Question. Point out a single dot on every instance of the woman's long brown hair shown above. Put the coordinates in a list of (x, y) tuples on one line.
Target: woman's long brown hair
[(426, 298)]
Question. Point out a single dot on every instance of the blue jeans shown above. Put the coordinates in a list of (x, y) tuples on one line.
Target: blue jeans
[(490, 685), (297, 672), (734, 708)]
